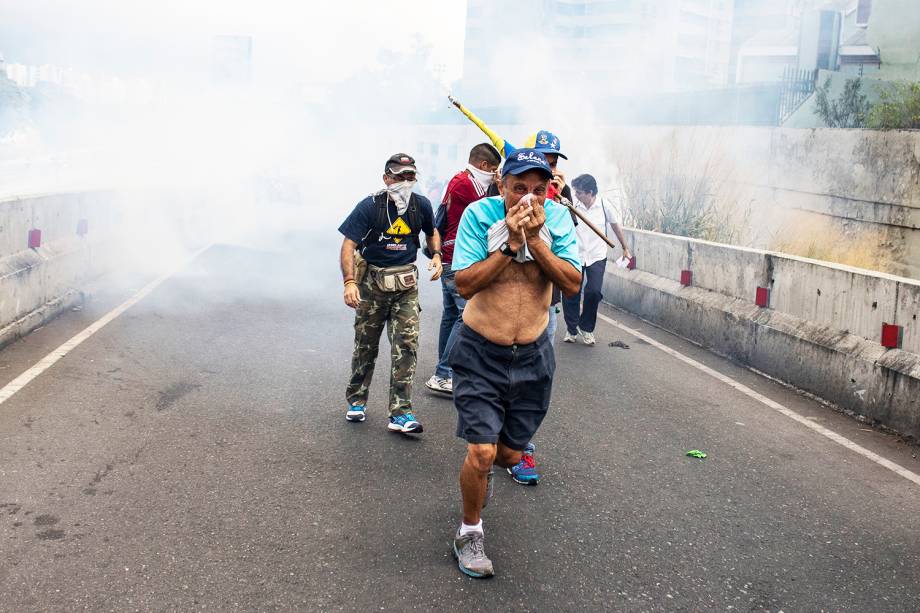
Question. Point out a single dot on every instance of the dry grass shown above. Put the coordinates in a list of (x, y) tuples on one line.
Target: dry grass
[(820, 238), (681, 188)]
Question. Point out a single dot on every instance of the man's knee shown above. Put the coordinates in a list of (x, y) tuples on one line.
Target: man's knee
[(507, 457), (481, 456), (593, 294)]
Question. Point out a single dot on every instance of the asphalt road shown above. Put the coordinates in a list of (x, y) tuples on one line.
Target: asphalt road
[(193, 455)]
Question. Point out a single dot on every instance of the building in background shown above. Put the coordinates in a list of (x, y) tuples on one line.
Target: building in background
[(764, 36), (808, 35), (894, 32), (612, 46), (679, 62), (855, 54)]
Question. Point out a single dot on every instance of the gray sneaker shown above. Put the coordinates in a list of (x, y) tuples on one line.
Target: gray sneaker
[(469, 550), (490, 487), (440, 385)]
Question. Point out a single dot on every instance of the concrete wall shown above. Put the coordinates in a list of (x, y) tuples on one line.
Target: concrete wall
[(821, 331), (38, 282), (864, 183)]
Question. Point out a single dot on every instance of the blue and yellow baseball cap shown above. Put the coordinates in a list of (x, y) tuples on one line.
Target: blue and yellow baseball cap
[(545, 141)]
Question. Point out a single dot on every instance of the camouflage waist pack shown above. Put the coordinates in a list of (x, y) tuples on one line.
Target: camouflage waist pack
[(394, 278)]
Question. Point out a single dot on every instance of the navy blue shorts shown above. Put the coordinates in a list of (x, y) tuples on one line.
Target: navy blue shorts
[(501, 392)]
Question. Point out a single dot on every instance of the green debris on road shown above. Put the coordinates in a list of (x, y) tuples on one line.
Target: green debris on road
[(696, 453)]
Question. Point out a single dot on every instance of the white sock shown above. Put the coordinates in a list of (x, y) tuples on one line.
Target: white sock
[(466, 529)]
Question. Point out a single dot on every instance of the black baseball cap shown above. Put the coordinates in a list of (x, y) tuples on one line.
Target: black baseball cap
[(400, 162)]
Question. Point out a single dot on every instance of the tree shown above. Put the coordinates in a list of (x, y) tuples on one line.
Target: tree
[(898, 107), (850, 110)]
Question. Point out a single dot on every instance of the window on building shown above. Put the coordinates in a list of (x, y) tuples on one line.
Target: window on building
[(564, 8), (863, 12), (609, 8), (573, 31), (606, 29), (690, 18)]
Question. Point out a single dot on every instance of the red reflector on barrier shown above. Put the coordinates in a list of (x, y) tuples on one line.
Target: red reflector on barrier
[(892, 335), (35, 239), (763, 297), (686, 277), (82, 227)]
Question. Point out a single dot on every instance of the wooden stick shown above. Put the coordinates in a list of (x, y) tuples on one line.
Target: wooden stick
[(564, 202)]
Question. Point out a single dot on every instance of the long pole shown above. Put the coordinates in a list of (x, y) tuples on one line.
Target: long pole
[(584, 218), (563, 201)]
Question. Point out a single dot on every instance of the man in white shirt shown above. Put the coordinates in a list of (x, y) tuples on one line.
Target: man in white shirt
[(582, 318)]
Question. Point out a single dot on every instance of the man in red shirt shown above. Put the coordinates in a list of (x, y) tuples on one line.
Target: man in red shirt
[(466, 187)]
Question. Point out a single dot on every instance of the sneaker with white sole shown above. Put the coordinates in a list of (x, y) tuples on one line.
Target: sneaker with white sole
[(588, 338), (356, 412), (405, 423), (469, 549), (525, 471), (570, 338), (440, 385)]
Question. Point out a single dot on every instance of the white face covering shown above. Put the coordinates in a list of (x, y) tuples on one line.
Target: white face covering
[(400, 193), (482, 177)]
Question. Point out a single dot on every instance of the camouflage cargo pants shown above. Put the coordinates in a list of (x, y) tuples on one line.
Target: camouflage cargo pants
[(399, 312)]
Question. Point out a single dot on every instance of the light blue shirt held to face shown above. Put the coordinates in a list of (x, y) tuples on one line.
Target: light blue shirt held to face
[(472, 244)]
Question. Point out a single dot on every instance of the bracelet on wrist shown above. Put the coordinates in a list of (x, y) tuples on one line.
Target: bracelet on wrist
[(350, 282)]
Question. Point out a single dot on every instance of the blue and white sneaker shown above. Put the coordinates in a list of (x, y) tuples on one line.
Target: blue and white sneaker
[(525, 471), (405, 423), (356, 412)]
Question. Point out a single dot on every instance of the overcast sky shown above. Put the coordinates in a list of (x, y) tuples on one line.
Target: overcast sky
[(301, 40)]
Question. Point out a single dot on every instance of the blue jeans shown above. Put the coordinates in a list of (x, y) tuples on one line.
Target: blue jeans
[(584, 317), (451, 320)]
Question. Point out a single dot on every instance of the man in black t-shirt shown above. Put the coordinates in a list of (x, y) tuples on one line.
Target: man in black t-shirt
[(384, 229)]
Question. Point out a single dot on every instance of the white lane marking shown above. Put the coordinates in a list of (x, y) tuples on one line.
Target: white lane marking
[(49, 360), (837, 438)]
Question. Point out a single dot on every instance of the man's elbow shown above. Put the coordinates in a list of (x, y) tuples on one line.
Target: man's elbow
[(461, 281), (571, 287)]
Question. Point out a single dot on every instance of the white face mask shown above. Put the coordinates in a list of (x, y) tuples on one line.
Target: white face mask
[(482, 177), (400, 193)]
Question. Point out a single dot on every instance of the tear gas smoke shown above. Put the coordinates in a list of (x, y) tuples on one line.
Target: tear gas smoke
[(230, 122)]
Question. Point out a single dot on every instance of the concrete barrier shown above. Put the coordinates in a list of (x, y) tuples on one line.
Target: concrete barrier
[(49, 246), (821, 331)]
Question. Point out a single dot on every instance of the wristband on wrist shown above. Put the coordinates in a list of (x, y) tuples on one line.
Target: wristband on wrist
[(350, 282)]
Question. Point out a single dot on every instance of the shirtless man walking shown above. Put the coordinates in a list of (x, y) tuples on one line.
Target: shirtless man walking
[(508, 253)]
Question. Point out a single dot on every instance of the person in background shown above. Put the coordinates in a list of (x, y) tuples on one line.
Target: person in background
[(581, 317), (384, 229), (466, 187)]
